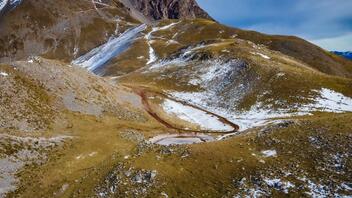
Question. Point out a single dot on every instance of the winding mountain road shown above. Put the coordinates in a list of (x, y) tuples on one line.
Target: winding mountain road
[(143, 93)]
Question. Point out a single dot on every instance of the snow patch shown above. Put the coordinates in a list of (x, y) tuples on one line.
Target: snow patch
[(3, 4), (102, 54), (169, 42), (184, 57), (281, 74), (279, 185), (346, 187), (194, 82), (256, 116), (4, 74), (269, 153), (152, 55), (167, 26), (6, 5), (327, 100), (225, 51), (190, 114), (92, 154), (260, 54), (162, 64), (332, 101), (82, 156), (315, 190), (179, 139)]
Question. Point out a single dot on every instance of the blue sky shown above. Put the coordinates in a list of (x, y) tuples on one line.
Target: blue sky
[(327, 23)]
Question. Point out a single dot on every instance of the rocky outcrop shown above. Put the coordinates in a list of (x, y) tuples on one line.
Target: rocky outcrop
[(170, 9)]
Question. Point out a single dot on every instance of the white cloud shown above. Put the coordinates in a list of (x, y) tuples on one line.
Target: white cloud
[(340, 43)]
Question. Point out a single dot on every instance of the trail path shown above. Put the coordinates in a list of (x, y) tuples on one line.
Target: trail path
[(143, 93)]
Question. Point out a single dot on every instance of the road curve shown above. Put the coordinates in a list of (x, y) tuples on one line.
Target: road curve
[(143, 94)]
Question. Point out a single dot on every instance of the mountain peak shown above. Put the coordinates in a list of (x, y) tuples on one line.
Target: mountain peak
[(168, 9)]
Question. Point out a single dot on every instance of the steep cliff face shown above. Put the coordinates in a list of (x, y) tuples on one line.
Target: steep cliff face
[(170, 9)]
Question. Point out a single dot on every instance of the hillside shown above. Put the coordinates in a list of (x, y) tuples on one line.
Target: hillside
[(138, 98)]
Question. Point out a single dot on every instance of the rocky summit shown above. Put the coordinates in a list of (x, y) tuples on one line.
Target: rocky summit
[(154, 98), (170, 9)]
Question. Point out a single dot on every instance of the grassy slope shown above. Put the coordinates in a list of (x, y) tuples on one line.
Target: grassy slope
[(212, 169), (207, 170), (25, 104), (43, 84), (302, 50), (97, 141)]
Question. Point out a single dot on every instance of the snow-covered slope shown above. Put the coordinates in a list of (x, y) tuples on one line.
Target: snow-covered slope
[(7, 5), (97, 57), (3, 4)]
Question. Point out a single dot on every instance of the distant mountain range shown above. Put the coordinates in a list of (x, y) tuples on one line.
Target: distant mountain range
[(347, 55)]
